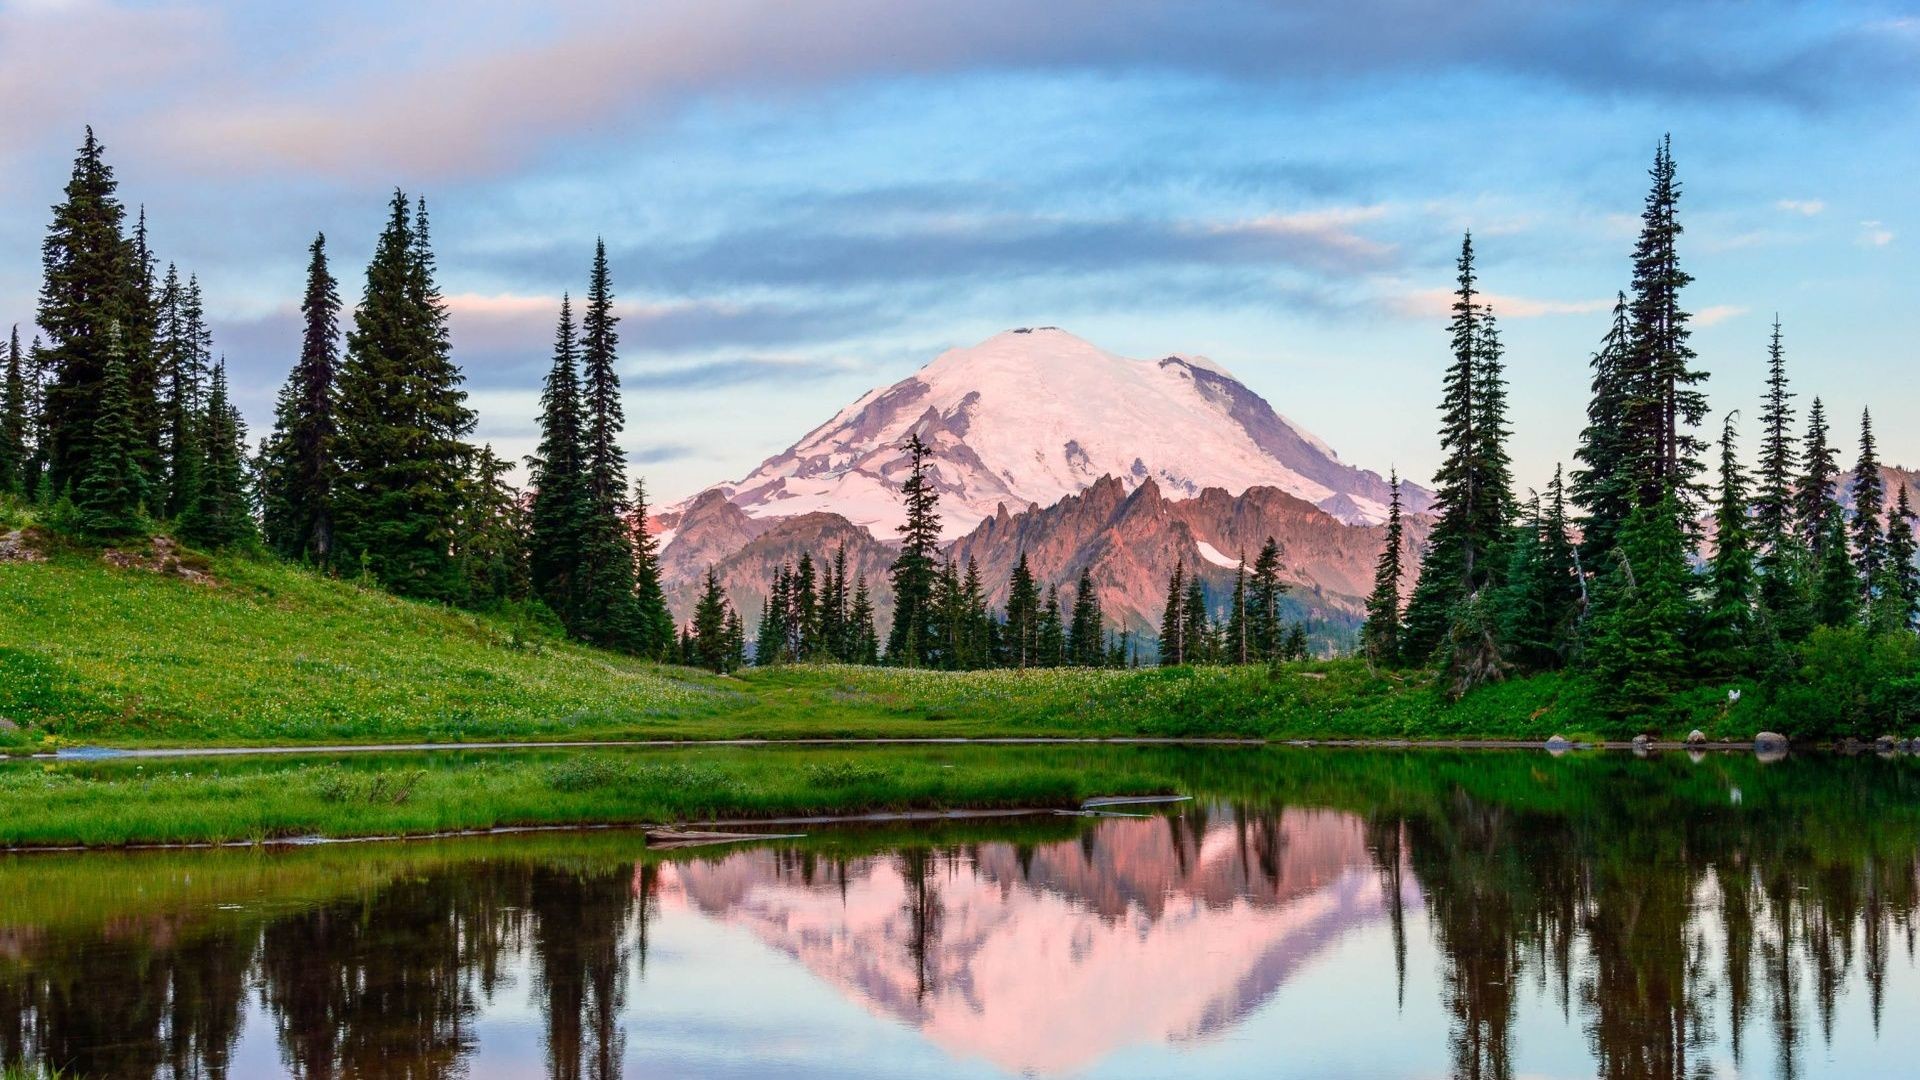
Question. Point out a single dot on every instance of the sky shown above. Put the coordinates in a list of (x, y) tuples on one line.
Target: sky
[(801, 201)]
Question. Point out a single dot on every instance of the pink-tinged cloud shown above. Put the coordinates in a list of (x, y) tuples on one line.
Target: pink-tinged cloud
[(1717, 313), (63, 65), (1438, 304), (1875, 234)]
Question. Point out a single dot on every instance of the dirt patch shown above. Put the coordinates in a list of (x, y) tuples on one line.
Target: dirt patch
[(20, 546), (163, 556)]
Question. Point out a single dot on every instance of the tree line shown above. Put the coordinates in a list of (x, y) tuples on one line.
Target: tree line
[(1636, 571)]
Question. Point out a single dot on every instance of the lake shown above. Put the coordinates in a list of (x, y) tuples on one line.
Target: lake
[(1309, 913)]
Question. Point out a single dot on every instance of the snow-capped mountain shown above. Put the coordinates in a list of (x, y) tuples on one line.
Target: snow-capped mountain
[(1031, 416)]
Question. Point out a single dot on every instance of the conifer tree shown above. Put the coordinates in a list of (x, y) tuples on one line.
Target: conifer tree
[(560, 503), (1087, 633), (911, 640), (112, 494), (1773, 501), (1902, 570), (1493, 500), (770, 643), (1052, 636), (299, 467), (1727, 626), (803, 627), (1173, 619), (717, 644), (865, 639), (36, 485), (1196, 625), (1380, 635), (1638, 651), (137, 330), (1023, 616), (86, 308), (650, 598), (1869, 501), (1666, 404), (1236, 644), (402, 421), (219, 516), (14, 421), (833, 609), (1837, 597), (1264, 590), (1813, 495), (608, 612), (1604, 487), (190, 359)]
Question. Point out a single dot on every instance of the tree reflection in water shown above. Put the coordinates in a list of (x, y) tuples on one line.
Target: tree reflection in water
[(1634, 899)]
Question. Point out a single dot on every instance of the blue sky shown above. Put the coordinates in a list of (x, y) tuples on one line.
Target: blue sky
[(803, 200)]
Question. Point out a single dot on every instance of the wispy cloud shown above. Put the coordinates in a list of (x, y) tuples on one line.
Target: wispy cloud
[(760, 371), (1803, 207), (661, 453), (1717, 313), (1437, 303), (1875, 234)]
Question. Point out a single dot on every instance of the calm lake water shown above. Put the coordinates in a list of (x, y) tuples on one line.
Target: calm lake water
[(1310, 914)]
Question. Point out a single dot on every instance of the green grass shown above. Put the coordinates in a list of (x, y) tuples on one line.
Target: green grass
[(126, 802)]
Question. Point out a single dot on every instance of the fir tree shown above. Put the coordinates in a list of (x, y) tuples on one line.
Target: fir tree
[(803, 626), (1666, 403), (15, 421), (1837, 597), (1727, 627), (911, 640), (220, 515), (717, 644), (1087, 633), (1903, 571), (1236, 643), (1813, 495), (1869, 501), (1604, 487), (86, 308), (560, 502), (1052, 637), (402, 422), (299, 462), (1638, 653), (1023, 616), (1196, 627), (1173, 619), (1380, 635), (608, 613), (770, 643), (492, 547), (865, 640), (189, 353), (1264, 590), (650, 599), (112, 495), (1773, 501), (833, 609)]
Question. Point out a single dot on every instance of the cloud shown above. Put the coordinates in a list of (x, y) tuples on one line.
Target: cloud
[(760, 371), (1717, 313), (1803, 207), (1875, 234), (1438, 303), (661, 453)]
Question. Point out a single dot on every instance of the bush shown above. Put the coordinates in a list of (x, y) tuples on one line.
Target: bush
[(587, 773), (843, 774), (384, 788), (1849, 682)]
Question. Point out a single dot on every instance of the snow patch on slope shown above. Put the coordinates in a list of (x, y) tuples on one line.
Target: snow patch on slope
[(1212, 554)]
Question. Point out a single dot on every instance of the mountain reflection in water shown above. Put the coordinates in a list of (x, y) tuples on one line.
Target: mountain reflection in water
[(1389, 915)]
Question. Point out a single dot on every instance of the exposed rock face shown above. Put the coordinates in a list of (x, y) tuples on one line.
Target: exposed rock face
[(746, 570), (1034, 415)]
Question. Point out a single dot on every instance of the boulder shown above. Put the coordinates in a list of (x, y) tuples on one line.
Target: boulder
[(8, 727), (1642, 744), (1769, 740), (1696, 737), (1559, 743)]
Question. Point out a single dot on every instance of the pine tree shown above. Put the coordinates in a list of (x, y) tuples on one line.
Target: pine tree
[(402, 422), (220, 515), (1903, 572), (560, 503), (1087, 633), (86, 308), (1837, 588), (111, 496), (608, 613), (1023, 616), (1264, 590), (1773, 501), (1236, 644), (1052, 636), (1638, 652), (1727, 626), (911, 640), (1173, 619), (1869, 502), (717, 644), (1196, 627), (650, 598), (1666, 403), (299, 462), (15, 421), (1605, 487), (1813, 495), (1493, 499), (866, 641), (137, 332), (37, 486), (492, 545), (770, 643), (833, 609), (1380, 635), (803, 628)]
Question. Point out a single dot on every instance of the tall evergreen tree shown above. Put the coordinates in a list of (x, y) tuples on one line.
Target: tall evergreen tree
[(1236, 643), (608, 614), (220, 516), (1902, 570), (1837, 598), (15, 421), (492, 539), (1638, 650), (1604, 486), (1773, 502), (403, 420), (189, 353), (1196, 625), (1087, 633), (803, 626), (650, 598), (1173, 619), (717, 644), (770, 644), (914, 571), (1813, 495), (1380, 635), (111, 496), (1540, 605), (561, 507), (299, 466), (1869, 502), (86, 308), (1727, 626), (866, 640), (1023, 616), (1052, 636), (1264, 590), (1666, 403)]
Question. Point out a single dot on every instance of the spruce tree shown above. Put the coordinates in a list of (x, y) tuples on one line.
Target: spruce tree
[(1727, 621), (1902, 570), (865, 639), (608, 613), (1638, 651), (86, 308), (14, 421), (1604, 486), (1264, 590), (833, 609), (402, 422), (650, 598), (1540, 603), (1666, 403), (111, 496), (1173, 619), (299, 467), (1869, 502), (716, 633), (1052, 636), (1380, 635), (803, 629), (557, 473), (1196, 625), (1837, 596), (1236, 644), (1087, 633), (911, 639), (189, 353), (1773, 501), (1813, 496), (137, 332), (492, 544), (1023, 616), (220, 516), (770, 643)]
